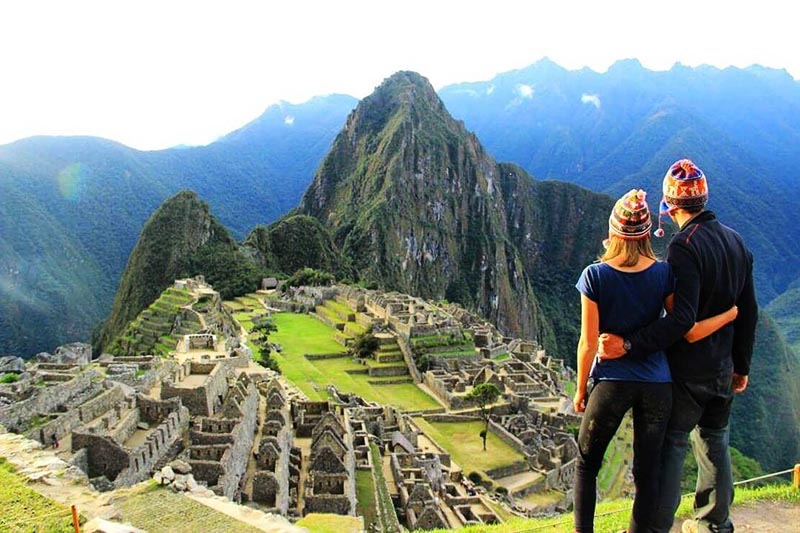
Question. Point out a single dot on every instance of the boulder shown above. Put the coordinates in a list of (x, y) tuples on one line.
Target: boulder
[(10, 363), (181, 467), (191, 484), (78, 353), (168, 474), (179, 486), (158, 477)]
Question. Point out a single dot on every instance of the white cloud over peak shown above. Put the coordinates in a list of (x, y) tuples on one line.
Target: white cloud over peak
[(593, 99), (525, 91), (288, 120)]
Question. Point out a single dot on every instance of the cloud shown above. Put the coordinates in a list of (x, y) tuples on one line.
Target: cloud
[(288, 120), (525, 91), (591, 99), (490, 89)]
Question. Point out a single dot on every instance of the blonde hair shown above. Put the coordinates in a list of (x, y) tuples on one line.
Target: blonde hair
[(629, 248)]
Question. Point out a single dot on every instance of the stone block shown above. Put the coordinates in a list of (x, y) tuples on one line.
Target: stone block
[(168, 473)]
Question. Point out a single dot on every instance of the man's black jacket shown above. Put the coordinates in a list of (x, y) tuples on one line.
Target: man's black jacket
[(714, 271)]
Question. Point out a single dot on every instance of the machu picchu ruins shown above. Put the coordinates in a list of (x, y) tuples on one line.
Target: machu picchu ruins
[(184, 398)]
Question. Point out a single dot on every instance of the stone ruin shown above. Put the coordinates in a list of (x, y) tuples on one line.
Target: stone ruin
[(330, 486), (278, 463), (220, 442), (124, 444)]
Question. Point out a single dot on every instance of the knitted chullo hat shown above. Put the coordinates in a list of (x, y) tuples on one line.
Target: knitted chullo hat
[(630, 218), (684, 186)]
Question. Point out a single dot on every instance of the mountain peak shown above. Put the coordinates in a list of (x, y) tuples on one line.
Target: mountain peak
[(626, 67)]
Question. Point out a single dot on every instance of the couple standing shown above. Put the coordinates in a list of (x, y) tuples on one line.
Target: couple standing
[(678, 371)]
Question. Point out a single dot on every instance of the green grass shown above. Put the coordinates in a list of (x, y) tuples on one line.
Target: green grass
[(159, 509), (330, 523), (386, 515), (341, 308), (304, 334), (24, 509), (614, 515), (462, 440), (365, 493), (502, 357)]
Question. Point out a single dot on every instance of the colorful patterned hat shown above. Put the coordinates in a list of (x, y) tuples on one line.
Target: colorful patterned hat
[(684, 186), (630, 218)]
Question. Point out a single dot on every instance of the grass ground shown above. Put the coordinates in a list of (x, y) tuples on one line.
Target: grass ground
[(614, 515), (160, 509), (304, 334), (331, 523), (24, 509), (365, 493), (462, 440)]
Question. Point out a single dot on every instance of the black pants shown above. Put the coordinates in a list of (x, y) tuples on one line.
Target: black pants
[(607, 405)]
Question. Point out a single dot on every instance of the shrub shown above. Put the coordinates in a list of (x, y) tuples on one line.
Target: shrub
[(10, 377)]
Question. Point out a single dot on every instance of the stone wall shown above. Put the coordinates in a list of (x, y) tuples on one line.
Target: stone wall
[(507, 437), (204, 399), (236, 458), (101, 403), (144, 457), (46, 400)]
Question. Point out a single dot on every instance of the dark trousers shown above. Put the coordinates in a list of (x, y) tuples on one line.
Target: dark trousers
[(702, 408), (607, 405)]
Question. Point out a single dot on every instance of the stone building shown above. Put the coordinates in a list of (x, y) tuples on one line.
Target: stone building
[(125, 443), (330, 485), (220, 445)]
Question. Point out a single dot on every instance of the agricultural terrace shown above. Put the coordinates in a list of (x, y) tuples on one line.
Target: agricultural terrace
[(300, 334), (24, 509)]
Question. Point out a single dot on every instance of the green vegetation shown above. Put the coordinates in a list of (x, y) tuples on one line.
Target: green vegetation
[(24, 509), (765, 421), (260, 332), (459, 439), (365, 494), (330, 523), (154, 330), (159, 509), (309, 276), (9, 377), (293, 243), (364, 345), (484, 395), (181, 238), (299, 335), (785, 310), (386, 515)]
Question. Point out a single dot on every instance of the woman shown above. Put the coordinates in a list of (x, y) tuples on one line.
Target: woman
[(627, 289)]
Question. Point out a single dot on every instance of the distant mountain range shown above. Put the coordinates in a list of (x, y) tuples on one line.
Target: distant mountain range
[(73, 206)]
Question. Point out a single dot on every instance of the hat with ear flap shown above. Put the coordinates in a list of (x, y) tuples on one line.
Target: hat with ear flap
[(684, 186), (630, 218)]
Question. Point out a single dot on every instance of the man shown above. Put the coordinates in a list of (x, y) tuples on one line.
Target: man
[(714, 271)]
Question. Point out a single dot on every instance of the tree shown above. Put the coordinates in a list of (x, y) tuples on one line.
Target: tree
[(365, 345), (264, 327), (484, 395)]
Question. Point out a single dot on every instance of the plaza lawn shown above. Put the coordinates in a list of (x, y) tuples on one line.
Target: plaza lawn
[(303, 334), (463, 441)]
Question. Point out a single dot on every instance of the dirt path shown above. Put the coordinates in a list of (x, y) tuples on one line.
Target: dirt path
[(761, 517)]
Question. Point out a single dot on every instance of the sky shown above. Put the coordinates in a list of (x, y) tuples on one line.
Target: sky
[(155, 74)]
